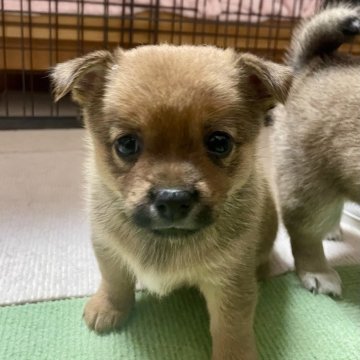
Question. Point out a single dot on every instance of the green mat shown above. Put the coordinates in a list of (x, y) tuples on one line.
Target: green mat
[(291, 324)]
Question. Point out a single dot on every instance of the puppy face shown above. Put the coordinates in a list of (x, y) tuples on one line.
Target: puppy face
[(173, 128)]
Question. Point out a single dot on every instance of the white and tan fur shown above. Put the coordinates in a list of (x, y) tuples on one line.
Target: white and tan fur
[(317, 140)]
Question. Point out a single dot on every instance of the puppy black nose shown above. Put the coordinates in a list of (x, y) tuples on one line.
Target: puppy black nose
[(174, 204)]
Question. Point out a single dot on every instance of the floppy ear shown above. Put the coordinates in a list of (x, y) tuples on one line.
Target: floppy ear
[(268, 82), (84, 76)]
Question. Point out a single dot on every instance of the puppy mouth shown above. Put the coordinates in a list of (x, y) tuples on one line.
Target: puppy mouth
[(174, 232), (144, 218)]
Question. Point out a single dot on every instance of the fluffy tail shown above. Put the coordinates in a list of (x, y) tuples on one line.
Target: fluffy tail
[(332, 3), (337, 24)]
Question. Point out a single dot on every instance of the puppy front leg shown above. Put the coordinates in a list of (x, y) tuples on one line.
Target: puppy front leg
[(312, 267), (308, 219), (110, 306), (231, 309)]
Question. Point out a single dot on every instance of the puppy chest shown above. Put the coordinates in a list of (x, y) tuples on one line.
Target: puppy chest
[(162, 283)]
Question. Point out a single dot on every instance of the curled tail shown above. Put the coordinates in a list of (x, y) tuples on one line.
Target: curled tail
[(323, 34)]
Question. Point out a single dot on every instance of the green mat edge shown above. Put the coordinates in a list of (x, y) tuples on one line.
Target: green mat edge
[(291, 324)]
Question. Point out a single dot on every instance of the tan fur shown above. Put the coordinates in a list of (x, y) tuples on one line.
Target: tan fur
[(173, 96), (317, 143)]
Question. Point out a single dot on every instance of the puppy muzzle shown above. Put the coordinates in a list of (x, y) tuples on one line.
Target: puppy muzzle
[(173, 211)]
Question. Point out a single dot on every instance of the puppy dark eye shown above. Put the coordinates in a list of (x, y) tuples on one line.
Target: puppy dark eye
[(219, 144), (127, 146)]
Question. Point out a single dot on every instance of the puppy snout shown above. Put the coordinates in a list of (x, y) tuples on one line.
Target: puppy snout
[(174, 204)]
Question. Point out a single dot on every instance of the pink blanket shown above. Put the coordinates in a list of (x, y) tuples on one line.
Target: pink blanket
[(223, 10)]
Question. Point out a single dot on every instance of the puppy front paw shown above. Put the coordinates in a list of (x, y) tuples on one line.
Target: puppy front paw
[(335, 235), (102, 316), (326, 282)]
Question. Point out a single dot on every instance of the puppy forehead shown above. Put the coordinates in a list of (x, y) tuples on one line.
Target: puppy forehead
[(184, 79)]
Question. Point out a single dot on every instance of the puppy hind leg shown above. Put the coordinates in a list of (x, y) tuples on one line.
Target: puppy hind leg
[(335, 233)]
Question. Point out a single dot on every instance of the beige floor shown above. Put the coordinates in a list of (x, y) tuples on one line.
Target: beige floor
[(44, 237), (45, 251)]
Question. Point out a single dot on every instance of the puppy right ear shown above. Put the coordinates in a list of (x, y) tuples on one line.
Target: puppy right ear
[(265, 81), (84, 76)]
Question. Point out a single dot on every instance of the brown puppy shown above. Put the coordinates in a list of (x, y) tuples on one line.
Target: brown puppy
[(176, 193), (317, 141)]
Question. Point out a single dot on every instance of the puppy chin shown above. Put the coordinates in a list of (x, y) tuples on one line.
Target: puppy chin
[(144, 218)]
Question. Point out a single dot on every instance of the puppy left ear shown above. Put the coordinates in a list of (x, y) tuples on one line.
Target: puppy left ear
[(83, 76), (267, 82)]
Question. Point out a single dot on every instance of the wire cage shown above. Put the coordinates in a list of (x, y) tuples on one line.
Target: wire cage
[(35, 35)]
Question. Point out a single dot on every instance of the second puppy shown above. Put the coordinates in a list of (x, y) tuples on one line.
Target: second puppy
[(317, 141), (177, 194)]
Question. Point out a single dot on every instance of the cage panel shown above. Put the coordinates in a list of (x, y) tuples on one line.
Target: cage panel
[(35, 35)]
